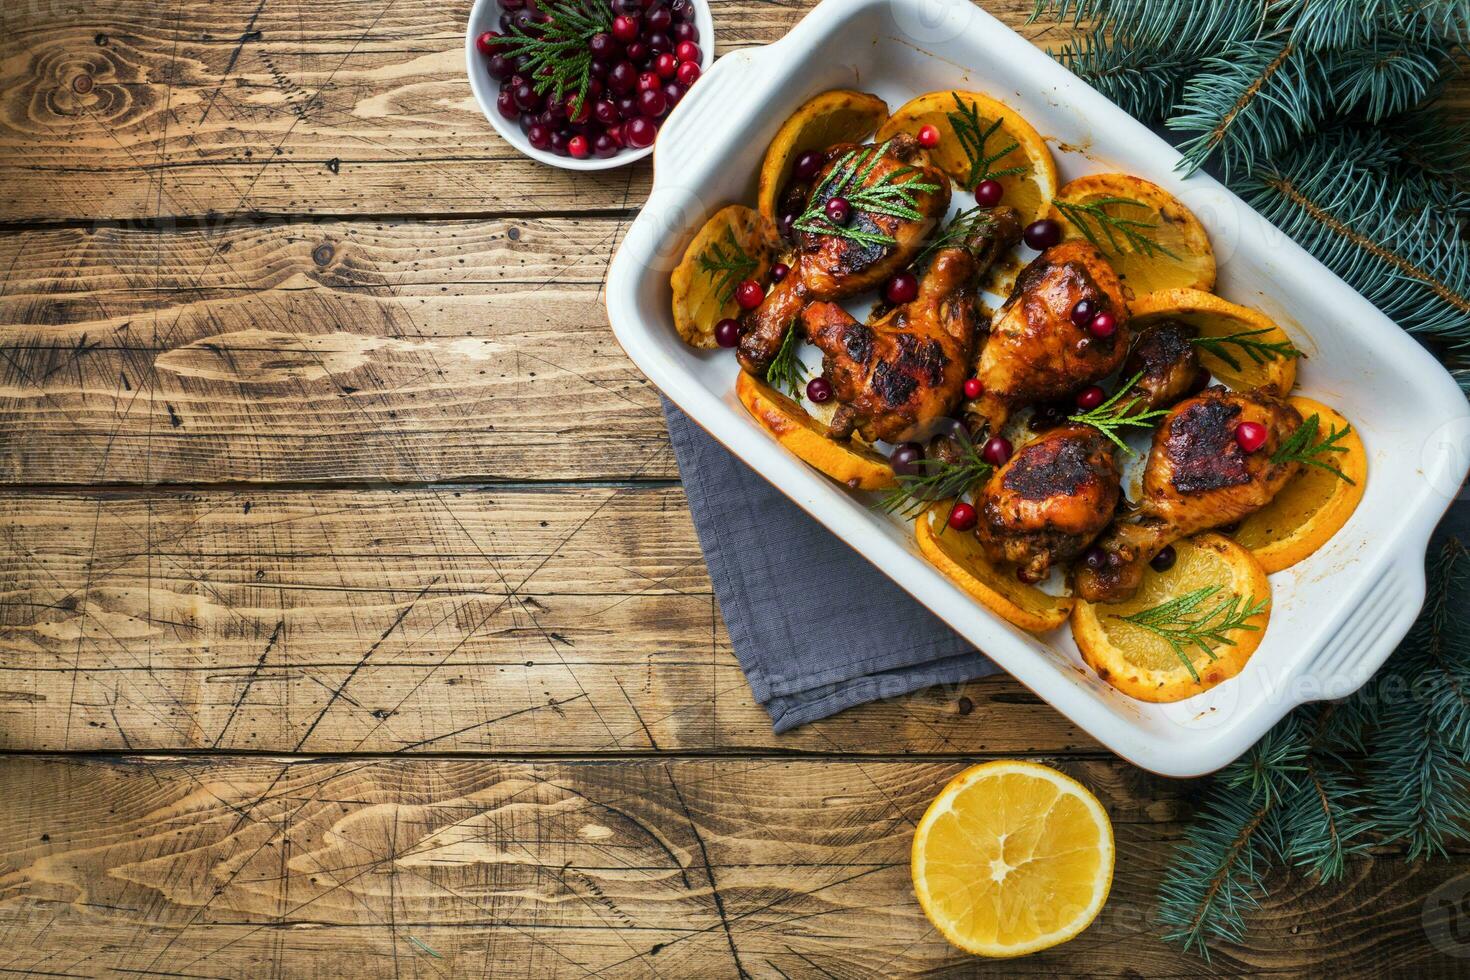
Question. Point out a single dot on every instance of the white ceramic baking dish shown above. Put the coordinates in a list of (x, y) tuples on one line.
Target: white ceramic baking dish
[(1336, 616)]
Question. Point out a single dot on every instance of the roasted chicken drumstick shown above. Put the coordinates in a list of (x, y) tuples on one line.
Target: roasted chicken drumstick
[(832, 266), (1198, 477), (1166, 363)]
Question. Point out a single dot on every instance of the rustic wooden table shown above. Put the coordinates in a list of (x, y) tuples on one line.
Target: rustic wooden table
[(351, 618)]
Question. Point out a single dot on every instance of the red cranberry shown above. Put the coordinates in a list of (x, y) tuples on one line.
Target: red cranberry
[(1102, 325), (524, 20), (606, 113), (628, 7), (1083, 312), (838, 210), (685, 31), (602, 45), (689, 51), (780, 271), (604, 146), (1095, 558), (659, 19), (683, 10), (687, 73), (1042, 234), (615, 133), (577, 115), (594, 88), (962, 516), (807, 165), (485, 43), (527, 99), (598, 67), (499, 66), (652, 103), (625, 28), (505, 101), (505, 21), (659, 42), (974, 388), (818, 390), (577, 147), (749, 294), (1250, 436), (786, 226), (1090, 397), (928, 137), (622, 77), (649, 81), (637, 53), (673, 92), (539, 136), (1164, 560), (512, 5), (627, 106), (997, 450), (902, 288), (559, 140), (907, 459), (727, 332), (989, 193), (665, 65), (529, 119)]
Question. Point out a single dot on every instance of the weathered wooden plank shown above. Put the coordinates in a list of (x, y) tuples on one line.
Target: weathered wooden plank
[(431, 620), (319, 351), (761, 867)]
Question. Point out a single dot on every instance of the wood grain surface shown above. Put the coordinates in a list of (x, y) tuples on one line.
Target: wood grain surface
[(351, 617)]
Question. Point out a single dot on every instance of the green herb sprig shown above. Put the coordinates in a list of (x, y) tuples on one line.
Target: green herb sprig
[(938, 479), (1183, 622), (556, 52), (1122, 234), (786, 371), (1260, 351), (894, 194), (1109, 417), (974, 133), (1307, 446), (964, 227), (726, 264)]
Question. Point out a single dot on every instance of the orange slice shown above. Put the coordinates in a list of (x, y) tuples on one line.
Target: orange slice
[(1215, 318), (732, 245), (1314, 505), (838, 116), (958, 555), (1220, 577), (1012, 858), (857, 467)]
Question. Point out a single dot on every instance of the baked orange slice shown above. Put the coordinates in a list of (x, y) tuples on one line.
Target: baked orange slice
[(732, 245), (958, 555), (848, 463), (1186, 629), (973, 128), (1152, 240), (1241, 347), (1315, 504), (838, 116), (1012, 858)]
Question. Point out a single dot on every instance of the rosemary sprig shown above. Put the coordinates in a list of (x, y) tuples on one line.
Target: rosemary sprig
[(973, 133), (1182, 624), (1260, 351), (1109, 417), (557, 57), (893, 194), (726, 264), (1305, 446), (1118, 231), (786, 370), (938, 479)]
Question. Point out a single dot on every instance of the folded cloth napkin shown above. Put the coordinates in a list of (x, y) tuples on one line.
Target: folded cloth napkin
[(815, 626)]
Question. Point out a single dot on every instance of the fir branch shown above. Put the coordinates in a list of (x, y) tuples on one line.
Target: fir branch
[(938, 479), (1182, 624), (1259, 351), (964, 228), (974, 134), (1322, 820), (1110, 417), (1387, 74), (726, 264), (1130, 230), (894, 194), (786, 370), (1307, 446), (558, 60)]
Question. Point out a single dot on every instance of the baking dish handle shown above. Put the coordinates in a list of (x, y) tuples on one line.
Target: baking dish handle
[(719, 88)]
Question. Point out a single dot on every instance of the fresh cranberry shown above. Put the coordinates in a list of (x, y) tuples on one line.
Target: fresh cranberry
[(659, 19), (625, 28), (615, 133), (1095, 558), (505, 21), (602, 45), (651, 103), (628, 7), (1083, 312), (786, 226), (604, 146), (1250, 436), (902, 288), (974, 388), (683, 10), (499, 67), (637, 53), (594, 88), (780, 271), (577, 147), (989, 193), (627, 106), (906, 459), (727, 332), (962, 516), (512, 5), (819, 390), (529, 119), (539, 136), (673, 92), (559, 140), (648, 81), (1042, 234), (659, 42), (749, 294), (689, 51), (1090, 397), (807, 165), (997, 450), (1165, 559), (838, 210), (928, 137), (524, 20), (1102, 325), (485, 43), (685, 31), (606, 113), (576, 114), (622, 77), (665, 65), (598, 68), (527, 99), (687, 73), (505, 101)]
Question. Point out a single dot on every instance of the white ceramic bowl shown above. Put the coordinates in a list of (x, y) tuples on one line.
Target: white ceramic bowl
[(1335, 617), (485, 16)]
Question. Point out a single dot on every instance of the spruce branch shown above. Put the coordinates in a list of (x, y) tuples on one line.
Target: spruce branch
[(894, 194), (938, 479), (726, 264), (786, 370), (1190, 621), (1121, 234), (1110, 417), (974, 135), (1259, 351), (1307, 446)]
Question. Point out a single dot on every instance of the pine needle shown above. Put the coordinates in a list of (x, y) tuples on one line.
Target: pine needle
[(894, 194), (786, 370), (1185, 622), (1307, 446), (938, 479), (1259, 351), (726, 264), (1131, 231), (1110, 418)]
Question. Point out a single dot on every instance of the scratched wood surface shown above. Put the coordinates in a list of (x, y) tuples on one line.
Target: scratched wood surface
[(351, 617)]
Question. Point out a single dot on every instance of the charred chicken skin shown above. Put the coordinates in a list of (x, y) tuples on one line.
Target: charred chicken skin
[(908, 367), (1167, 365), (1035, 352), (832, 267), (1197, 478), (1049, 501)]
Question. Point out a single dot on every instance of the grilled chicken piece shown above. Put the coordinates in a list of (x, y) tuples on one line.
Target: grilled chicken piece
[(1197, 478), (1168, 364), (1035, 352), (908, 368), (831, 267), (1049, 501)]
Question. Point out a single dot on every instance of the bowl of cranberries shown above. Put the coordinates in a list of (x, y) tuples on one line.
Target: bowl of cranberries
[(585, 84)]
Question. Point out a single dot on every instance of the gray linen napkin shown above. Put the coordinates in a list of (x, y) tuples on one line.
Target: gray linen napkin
[(815, 626)]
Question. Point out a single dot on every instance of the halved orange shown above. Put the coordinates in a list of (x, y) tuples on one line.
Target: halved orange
[(1238, 341), (849, 463), (838, 116), (1012, 858), (1310, 509), (1153, 241), (1142, 645), (962, 119), (958, 555), (732, 245)]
